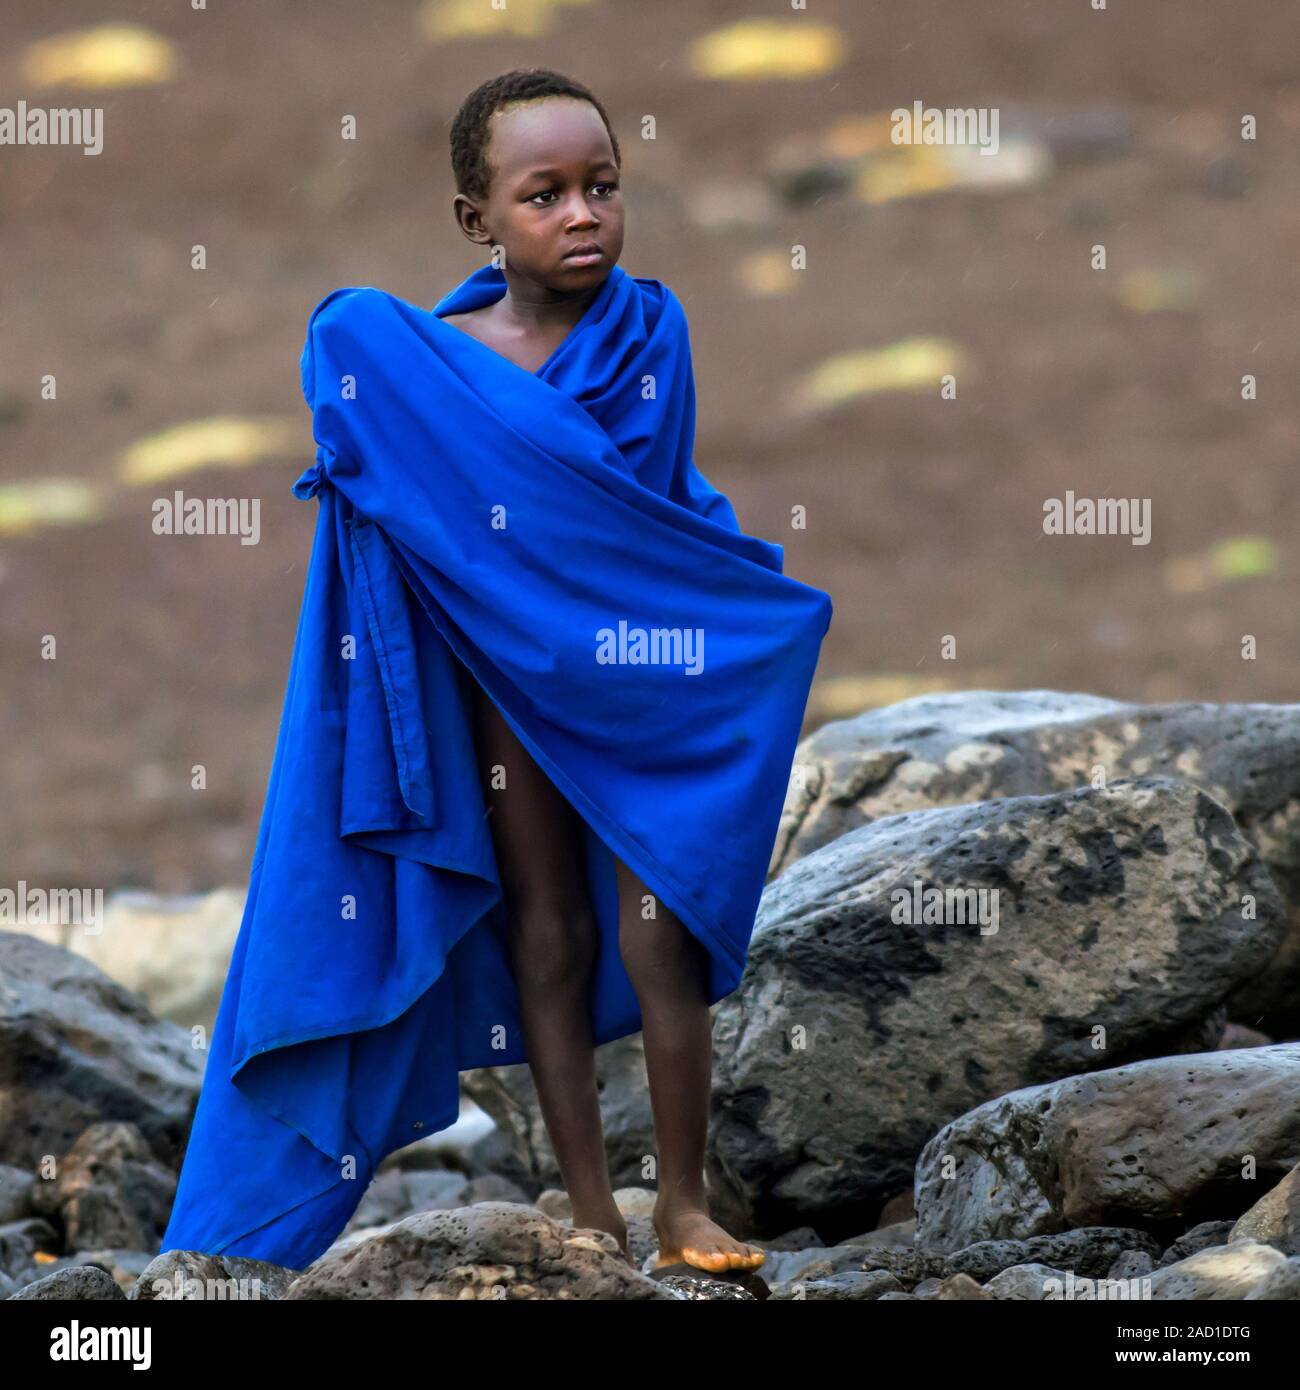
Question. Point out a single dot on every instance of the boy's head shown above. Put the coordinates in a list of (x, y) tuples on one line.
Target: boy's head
[(537, 173)]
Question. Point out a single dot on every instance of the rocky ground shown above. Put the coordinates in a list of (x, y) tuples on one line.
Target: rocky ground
[(1019, 1022)]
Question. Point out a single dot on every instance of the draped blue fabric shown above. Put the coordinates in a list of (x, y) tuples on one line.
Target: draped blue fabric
[(547, 535)]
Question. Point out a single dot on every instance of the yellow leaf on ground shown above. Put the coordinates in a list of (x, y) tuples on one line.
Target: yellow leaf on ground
[(914, 364), (1240, 557), (468, 19), (223, 441), (766, 274), (46, 502), (756, 50), (1148, 291), (111, 55)]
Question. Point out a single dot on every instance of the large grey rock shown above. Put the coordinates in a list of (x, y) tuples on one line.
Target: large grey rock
[(1149, 1145), (77, 1048), (974, 745), (493, 1250), (854, 1036)]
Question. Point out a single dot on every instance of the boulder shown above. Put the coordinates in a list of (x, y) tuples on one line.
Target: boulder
[(493, 1250), (976, 745), (77, 1048), (1150, 1145), (108, 1191), (1123, 917)]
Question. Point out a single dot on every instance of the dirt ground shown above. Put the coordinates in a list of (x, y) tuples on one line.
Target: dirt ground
[(924, 515)]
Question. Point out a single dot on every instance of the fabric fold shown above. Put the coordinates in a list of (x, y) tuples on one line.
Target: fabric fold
[(548, 536)]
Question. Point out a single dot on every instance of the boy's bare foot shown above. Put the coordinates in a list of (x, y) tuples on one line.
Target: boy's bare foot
[(606, 1219), (688, 1235)]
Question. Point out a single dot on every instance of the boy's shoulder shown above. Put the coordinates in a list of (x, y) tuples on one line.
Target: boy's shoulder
[(347, 300), (661, 299)]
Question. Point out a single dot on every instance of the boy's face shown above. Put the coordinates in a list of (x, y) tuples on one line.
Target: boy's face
[(554, 187)]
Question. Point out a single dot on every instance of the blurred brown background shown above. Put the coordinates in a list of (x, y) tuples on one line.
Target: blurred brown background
[(817, 386)]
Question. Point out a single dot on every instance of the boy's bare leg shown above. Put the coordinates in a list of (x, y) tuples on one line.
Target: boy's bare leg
[(667, 967), (553, 937)]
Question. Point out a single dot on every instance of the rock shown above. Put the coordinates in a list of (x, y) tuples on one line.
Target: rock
[(1147, 1145), (1217, 1272), (850, 1285), (1282, 1282), (491, 1188), (901, 1233), (1238, 1035), (1275, 1219), (781, 1268), (174, 950), (25, 1244), (898, 1210), (126, 1266), (1024, 1283), (109, 1191), (1198, 1238), (15, 1193), (960, 1287), (636, 1201), (82, 1283), (907, 1264), (1088, 1253), (959, 747), (192, 1276), (98, 1052), (493, 1250), (701, 1288), (555, 1203), (400, 1192), (1132, 1264), (1119, 930), (800, 1238)]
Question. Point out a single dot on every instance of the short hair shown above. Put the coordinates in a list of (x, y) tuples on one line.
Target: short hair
[(469, 129)]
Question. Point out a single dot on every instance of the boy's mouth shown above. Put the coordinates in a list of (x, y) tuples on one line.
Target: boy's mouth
[(588, 253)]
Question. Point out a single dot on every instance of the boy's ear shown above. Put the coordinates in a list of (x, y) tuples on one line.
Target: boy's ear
[(469, 219)]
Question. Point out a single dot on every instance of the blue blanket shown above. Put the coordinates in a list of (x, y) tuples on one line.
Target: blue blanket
[(548, 535)]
